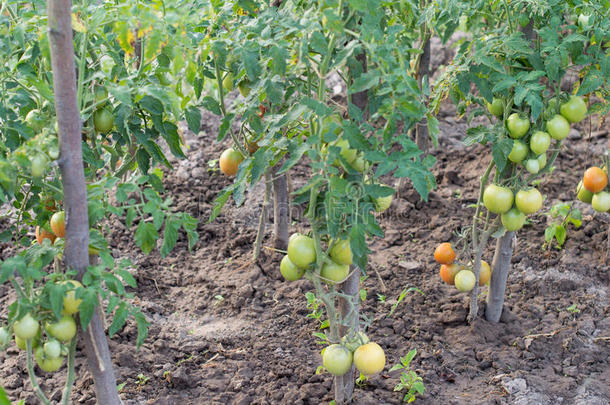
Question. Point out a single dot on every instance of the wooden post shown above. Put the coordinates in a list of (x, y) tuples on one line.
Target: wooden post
[(76, 252)]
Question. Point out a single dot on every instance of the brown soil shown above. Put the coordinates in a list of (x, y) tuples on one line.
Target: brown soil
[(226, 331)]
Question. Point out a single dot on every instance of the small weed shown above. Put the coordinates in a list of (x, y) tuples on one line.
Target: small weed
[(562, 215), (141, 379), (409, 379), (573, 309), (402, 296)]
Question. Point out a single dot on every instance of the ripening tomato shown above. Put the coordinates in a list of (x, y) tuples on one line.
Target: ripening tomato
[(518, 152), (346, 152), (26, 328), (574, 110), (301, 250), (100, 96), (465, 280), (289, 270), (229, 162), (333, 273), (513, 220), (498, 199), (540, 142), (63, 330), (601, 201), (448, 272), (337, 359), (359, 164), (71, 304), (558, 127), (52, 348), (36, 120), (341, 252), (444, 253), (369, 359), (595, 179), (46, 363), (484, 273), (583, 194), (58, 224), (517, 126), (42, 234), (528, 201)]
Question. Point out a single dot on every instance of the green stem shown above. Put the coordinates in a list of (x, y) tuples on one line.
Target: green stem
[(81, 70), (65, 397), (510, 23), (37, 390)]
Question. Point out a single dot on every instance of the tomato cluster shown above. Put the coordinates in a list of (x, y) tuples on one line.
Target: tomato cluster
[(367, 356), (593, 189), (57, 228), (511, 207), (49, 342), (457, 274)]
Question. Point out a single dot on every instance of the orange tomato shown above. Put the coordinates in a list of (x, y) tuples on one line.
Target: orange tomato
[(444, 254), (485, 274), (448, 272), (229, 161), (58, 224), (595, 179), (42, 234)]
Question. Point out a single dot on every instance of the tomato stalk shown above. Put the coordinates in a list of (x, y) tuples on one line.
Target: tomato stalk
[(33, 380), (260, 234), (65, 397)]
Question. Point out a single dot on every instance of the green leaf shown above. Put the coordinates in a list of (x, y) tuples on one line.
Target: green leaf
[(365, 81), (3, 397), (560, 235), (142, 325), (119, 319), (549, 233), (56, 296), (210, 104), (87, 307), (170, 236), (127, 277), (500, 151), (146, 236), (193, 118)]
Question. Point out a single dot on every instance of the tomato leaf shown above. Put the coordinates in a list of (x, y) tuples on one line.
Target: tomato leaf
[(193, 118), (87, 307), (119, 319), (142, 325), (170, 236), (146, 236), (500, 151)]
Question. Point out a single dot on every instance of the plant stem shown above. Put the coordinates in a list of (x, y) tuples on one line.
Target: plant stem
[(65, 397), (37, 390), (260, 235)]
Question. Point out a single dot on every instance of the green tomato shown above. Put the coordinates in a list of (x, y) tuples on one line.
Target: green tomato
[(601, 201), (496, 107), (355, 341), (369, 358), (334, 272), (26, 328), (513, 220), (227, 82), (540, 142), (583, 21), (47, 364), (558, 127), (52, 348), (332, 122), (35, 120), (39, 164), (383, 203), (359, 164), (465, 280), (341, 252), (103, 120), (584, 195), (63, 330), (289, 270), (532, 166), (519, 152), (517, 126), (524, 20), (301, 251), (528, 201), (541, 160), (498, 199), (337, 359), (106, 63), (574, 110), (244, 87), (346, 152)]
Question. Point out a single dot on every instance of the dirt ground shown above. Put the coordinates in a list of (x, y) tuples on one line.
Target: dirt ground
[(226, 331)]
